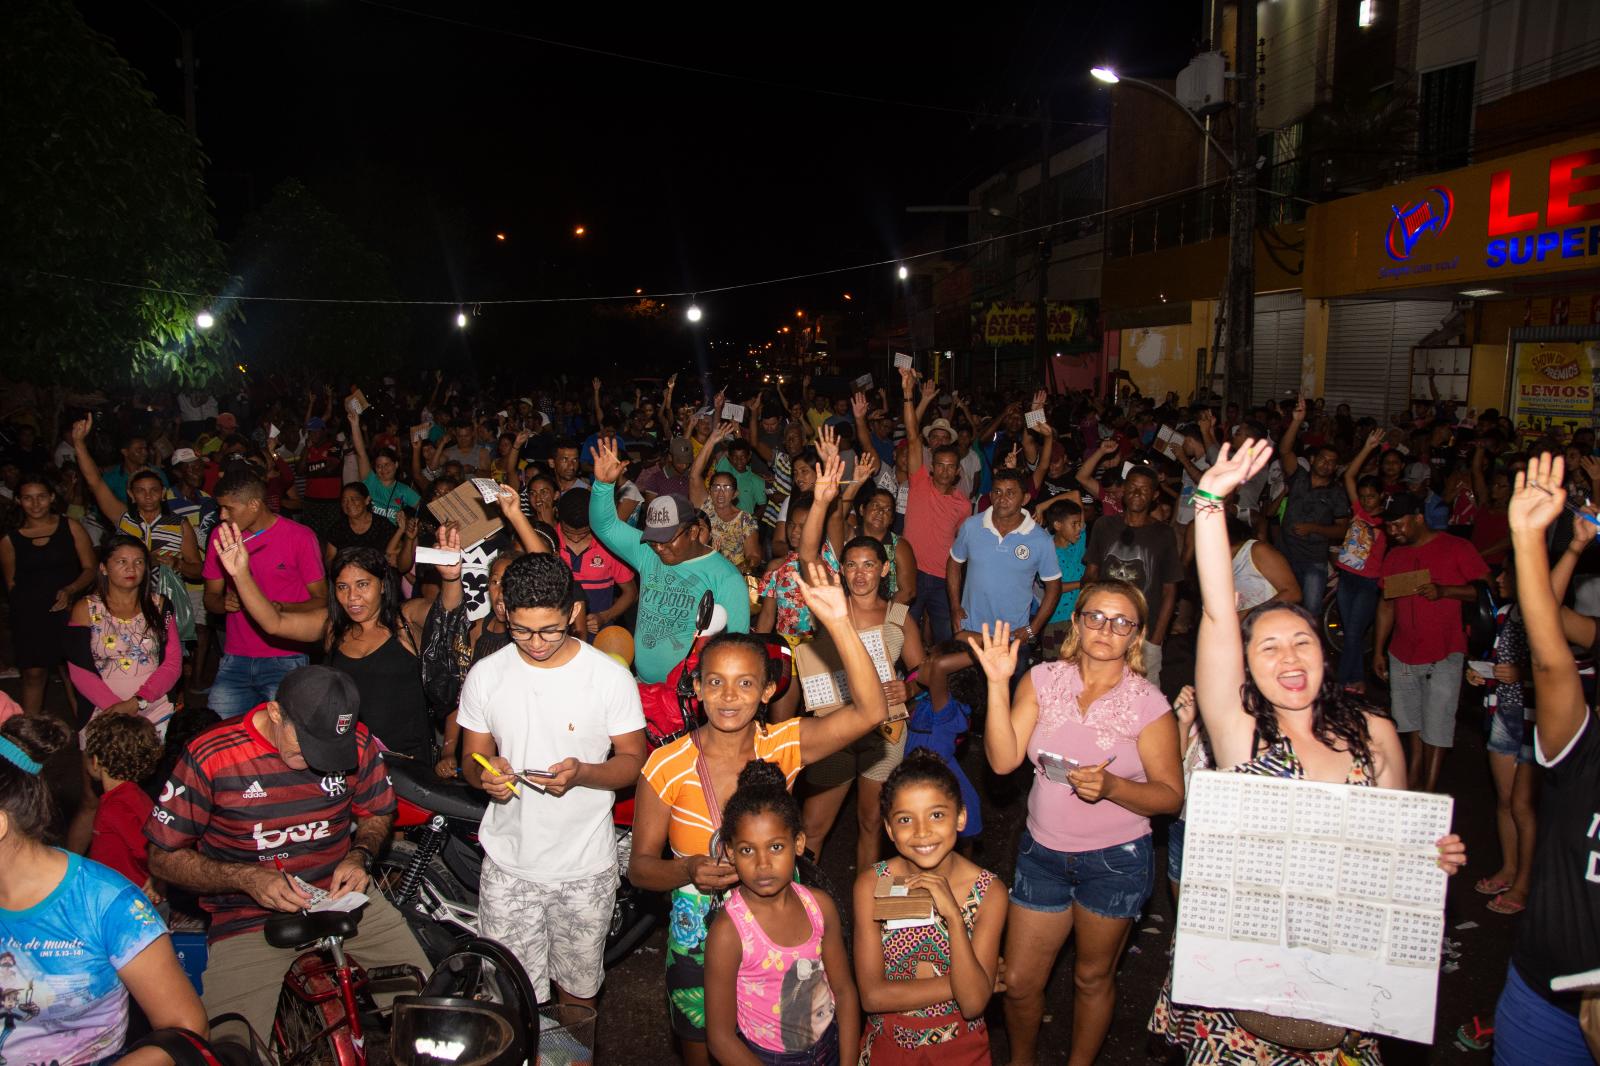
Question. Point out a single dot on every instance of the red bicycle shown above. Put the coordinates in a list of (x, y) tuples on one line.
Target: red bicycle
[(478, 1000)]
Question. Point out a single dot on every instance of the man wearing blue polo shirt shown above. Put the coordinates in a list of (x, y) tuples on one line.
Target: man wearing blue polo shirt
[(994, 561)]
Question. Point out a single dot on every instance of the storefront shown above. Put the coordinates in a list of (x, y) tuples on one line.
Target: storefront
[(1461, 271)]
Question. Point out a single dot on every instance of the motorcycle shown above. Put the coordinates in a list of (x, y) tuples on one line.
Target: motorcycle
[(431, 875)]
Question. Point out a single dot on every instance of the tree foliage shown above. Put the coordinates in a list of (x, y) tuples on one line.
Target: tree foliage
[(97, 182), (295, 247)]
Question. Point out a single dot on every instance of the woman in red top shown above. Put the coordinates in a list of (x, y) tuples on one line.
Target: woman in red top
[(1360, 559)]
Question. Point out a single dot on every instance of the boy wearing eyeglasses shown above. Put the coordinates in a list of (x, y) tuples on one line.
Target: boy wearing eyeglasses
[(559, 728)]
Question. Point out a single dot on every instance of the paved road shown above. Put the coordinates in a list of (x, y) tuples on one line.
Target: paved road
[(633, 1011)]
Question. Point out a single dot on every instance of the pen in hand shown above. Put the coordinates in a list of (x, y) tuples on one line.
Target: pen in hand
[(486, 765)]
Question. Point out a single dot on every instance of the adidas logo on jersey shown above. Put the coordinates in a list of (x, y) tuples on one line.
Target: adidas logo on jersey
[(255, 791)]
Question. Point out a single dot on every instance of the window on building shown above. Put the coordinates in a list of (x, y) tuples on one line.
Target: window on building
[(1444, 117)]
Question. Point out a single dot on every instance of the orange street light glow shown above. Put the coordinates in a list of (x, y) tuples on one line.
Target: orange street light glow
[(638, 292), (579, 231), (499, 236), (799, 314), (785, 329), (847, 296)]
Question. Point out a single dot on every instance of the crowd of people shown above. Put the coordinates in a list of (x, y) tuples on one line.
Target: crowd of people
[(252, 602)]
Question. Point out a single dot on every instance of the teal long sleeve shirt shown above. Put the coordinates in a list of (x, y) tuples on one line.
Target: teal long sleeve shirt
[(669, 596)]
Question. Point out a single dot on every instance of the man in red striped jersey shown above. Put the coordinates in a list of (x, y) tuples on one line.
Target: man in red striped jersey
[(298, 781)]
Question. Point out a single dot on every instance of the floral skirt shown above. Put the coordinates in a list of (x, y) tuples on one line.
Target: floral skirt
[(687, 924), (1211, 1037), (910, 1040)]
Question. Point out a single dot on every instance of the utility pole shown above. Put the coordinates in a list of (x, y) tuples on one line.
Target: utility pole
[(1241, 308), (1041, 334)]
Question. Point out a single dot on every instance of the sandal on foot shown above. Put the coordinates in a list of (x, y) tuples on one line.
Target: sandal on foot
[(1488, 886), (1501, 905)]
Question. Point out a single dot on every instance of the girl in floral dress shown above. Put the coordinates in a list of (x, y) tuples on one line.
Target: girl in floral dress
[(1271, 708), (925, 987)]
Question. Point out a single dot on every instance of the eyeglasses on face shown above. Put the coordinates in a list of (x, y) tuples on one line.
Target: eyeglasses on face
[(549, 635), (1121, 625)]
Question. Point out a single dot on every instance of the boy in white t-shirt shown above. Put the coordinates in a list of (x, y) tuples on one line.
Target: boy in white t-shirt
[(549, 703)]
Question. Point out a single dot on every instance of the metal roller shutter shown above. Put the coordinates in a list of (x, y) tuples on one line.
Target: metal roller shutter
[(1369, 352), (1280, 336)]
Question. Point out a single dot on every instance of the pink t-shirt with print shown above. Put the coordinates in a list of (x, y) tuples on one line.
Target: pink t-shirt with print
[(1057, 818)]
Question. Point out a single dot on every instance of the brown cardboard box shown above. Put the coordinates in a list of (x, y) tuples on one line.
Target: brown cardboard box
[(1406, 584), (464, 506), (887, 906)]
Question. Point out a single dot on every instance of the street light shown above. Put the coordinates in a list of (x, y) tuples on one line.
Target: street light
[(694, 314), (204, 320), (1108, 76), (461, 320), (903, 273), (579, 231)]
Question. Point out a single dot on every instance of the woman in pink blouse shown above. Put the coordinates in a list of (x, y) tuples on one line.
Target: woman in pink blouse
[(123, 653), (1085, 863)]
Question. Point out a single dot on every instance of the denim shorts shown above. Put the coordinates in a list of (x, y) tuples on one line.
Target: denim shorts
[(1175, 851), (1112, 882), (1509, 733)]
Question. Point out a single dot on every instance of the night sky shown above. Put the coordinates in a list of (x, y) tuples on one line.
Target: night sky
[(430, 126)]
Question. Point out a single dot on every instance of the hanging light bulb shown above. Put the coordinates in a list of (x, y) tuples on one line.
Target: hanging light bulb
[(903, 273), (694, 313), (461, 320), (204, 320)]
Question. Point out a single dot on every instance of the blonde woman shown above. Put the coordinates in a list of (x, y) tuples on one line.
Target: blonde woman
[(1085, 864)]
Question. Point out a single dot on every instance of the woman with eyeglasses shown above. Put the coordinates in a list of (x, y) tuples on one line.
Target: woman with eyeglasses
[(1104, 746), (734, 533)]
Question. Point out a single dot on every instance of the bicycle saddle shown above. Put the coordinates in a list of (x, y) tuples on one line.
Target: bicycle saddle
[(419, 785), (298, 930)]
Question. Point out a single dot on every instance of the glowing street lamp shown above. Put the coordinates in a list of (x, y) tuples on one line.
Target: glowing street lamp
[(1104, 74), (461, 320), (204, 320), (579, 231), (903, 273), (694, 314)]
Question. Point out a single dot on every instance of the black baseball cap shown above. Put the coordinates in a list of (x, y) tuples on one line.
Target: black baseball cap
[(323, 704), (1402, 504)]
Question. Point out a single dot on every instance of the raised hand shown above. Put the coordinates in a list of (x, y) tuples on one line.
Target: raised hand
[(826, 490), (596, 384), (608, 468), (721, 431), (80, 428), (1591, 471), (1300, 409), (1374, 440), (231, 551), (908, 379), (823, 594), (1039, 398), (827, 443), (1232, 470), (449, 540), (995, 651), (930, 389), (867, 466), (858, 405), (1013, 455), (1538, 497)]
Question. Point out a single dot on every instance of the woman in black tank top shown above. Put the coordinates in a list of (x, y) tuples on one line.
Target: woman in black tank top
[(374, 638)]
